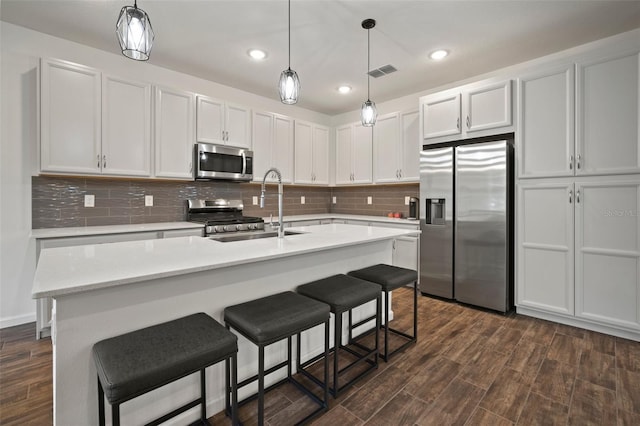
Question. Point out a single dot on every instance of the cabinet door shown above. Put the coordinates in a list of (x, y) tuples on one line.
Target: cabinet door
[(405, 252), (488, 107), (545, 247), (410, 155), (441, 116), (174, 127), (209, 120), (282, 153), (303, 152), (126, 127), (238, 126), (344, 138), (320, 155), (546, 137), (362, 154), (608, 116), (386, 148), (608, 252), (70, 120), (262, 136)]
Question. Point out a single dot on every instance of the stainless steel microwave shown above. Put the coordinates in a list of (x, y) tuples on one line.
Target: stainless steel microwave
[(222, 162)]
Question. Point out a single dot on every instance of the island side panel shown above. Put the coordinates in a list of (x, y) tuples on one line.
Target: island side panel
[(83, 319)]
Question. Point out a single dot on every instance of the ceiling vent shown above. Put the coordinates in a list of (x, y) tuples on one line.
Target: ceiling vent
[(382, 71)]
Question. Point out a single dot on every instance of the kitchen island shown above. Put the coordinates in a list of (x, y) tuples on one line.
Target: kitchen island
[(105, 290)]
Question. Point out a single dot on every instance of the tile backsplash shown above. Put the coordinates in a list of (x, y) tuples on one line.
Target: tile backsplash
[(59, 201)]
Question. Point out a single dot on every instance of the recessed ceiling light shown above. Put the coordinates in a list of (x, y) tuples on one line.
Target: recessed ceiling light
[(439, 54), (257, 54), (344, 89)]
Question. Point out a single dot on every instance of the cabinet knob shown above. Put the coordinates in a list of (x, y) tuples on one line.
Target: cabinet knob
[(104, 161), (458, 123), (578, 162), (578, 196), (570, 196), (98, 158), (468, 122), (571, 162)]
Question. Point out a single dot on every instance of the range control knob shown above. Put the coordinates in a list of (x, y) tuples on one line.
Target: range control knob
[(242, 227), (230, 227), (252, 226), (210, 230), (219, 228)]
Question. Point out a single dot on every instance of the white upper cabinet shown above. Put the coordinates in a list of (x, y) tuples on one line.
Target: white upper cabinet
[(354, 153), (222, 123), (475, 110), (126, 127), (174, 137), (93, 123), (396, 147), (608, 115), (546, 125), (272, 145), (70, 118), (311, 153)]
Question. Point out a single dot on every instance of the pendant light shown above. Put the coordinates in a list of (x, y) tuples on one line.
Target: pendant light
[(135, 33), (289, 86), (368, 114)]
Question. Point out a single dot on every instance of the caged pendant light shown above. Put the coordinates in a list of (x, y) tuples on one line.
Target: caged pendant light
[(135, 33), (289, 86), (368, 114)]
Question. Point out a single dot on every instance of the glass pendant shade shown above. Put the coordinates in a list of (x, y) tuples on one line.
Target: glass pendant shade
[(135, 33), (289, 87), (369, 113)]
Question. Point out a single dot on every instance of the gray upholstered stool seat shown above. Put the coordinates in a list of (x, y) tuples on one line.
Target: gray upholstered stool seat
[(343, 293), (135, 363), (390, 278), (273, 318)]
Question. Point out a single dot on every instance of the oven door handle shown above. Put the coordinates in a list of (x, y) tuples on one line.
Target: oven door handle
[(244, 163)]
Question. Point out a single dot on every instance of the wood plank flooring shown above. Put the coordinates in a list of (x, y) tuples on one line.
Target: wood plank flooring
[(469, 367)]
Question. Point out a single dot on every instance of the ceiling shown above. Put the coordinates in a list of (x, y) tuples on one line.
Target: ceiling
[(210, 39)]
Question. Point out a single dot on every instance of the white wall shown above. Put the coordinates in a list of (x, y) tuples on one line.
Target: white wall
[(20, 50)]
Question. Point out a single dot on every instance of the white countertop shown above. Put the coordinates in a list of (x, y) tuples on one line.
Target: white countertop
[(68, 270), (382, 219), (81, 231)]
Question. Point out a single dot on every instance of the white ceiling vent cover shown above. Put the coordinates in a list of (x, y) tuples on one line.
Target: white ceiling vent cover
[(382, 71)]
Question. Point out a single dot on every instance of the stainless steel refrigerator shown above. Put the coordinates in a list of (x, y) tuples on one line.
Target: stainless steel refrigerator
[(466, 217)]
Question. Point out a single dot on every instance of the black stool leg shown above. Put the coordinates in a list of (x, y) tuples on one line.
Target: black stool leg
[(115, 415), (378, 319), (337, 337), (326, 364), (100, 404), (260, 385), (234, 390), (386, 326), (415, 310), (203, 398)]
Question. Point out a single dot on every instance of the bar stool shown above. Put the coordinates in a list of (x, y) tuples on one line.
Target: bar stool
[(138, 362), (343, 293), (273, 318), (391, 278)]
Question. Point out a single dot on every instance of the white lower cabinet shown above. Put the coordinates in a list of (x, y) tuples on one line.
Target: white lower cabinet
[(406, 252), (579, 250)]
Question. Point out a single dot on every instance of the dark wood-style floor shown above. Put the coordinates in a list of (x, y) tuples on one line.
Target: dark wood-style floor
[(469, 367)]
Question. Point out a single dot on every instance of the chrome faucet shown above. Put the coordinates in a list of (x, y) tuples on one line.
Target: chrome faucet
[(264, 189)]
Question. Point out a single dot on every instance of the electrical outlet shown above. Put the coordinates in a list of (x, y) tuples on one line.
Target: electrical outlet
[(148, 200), (255, 200), (302, 199), (369, 199), (89, 200), (406, 201), (335, 200)]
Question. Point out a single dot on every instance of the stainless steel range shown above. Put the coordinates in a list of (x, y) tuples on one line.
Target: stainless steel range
[(222, 216)]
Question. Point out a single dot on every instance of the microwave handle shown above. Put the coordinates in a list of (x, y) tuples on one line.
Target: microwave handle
[(244, 163)]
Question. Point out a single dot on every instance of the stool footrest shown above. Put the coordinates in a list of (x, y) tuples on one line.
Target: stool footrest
[(268, 371)]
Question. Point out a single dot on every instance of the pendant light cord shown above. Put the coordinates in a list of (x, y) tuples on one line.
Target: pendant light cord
[(289, 34), (368, 62)]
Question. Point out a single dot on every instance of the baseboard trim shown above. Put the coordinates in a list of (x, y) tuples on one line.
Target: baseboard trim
[(17, 320)]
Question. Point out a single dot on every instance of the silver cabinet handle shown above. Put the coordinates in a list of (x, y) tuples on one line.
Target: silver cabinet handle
[(458, 123), (578, 162), (571, 162), (468, 122), (578, 196), (400, 173), (104, 161), (98, 158), (190, 167), (570, 196)]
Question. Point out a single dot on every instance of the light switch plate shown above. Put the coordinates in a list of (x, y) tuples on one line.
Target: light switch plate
[(369, 199), (406, 201), (148, 200), (302, 199), (335, 200), (254, 200), (89, 200)]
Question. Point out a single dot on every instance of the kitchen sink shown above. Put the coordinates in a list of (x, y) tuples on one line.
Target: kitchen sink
[(251, 236)]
